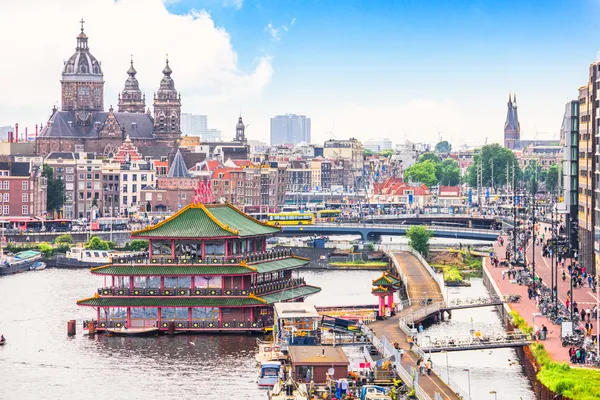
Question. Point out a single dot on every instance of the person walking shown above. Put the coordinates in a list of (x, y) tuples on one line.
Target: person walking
[(428, 365)]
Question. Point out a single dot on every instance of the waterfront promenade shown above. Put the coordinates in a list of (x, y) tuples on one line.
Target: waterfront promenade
[(527, 308), (420, 284)]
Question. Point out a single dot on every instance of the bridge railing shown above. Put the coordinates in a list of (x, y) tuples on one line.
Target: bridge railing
[(439, 228), (422, 313), (437, 277)]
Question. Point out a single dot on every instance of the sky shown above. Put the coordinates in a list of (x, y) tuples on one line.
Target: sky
[(403, 69)]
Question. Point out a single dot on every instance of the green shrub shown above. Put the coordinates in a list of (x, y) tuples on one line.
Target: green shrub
[(66, 238), (96, 243), (137, 245), (452, 274), (46, 249)]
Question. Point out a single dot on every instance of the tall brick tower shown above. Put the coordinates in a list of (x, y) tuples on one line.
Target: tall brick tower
[(512, 128)]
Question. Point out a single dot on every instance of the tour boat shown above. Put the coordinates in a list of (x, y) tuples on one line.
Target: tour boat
[(288, 390), (20, 262), (37, 266), (133, 331), (269, 351), (268, 374), (2, 343), (78, 257)]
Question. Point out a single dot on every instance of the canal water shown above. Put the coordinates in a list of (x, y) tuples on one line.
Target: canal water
[(40, 362)]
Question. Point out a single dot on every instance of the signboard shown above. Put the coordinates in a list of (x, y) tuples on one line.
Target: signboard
[(410, 199), (470, 196), (566, 328)]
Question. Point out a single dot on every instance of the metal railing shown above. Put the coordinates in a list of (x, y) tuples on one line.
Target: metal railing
[(442, 228), (422, 313), (277, 285), (182, 324), (206, 260)]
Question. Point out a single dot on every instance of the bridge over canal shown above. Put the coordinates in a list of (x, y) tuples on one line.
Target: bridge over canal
[(367, 231)]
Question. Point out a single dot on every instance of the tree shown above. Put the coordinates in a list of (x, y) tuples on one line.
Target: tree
[(55, 192), (429, 157), (94, 202), (552, 178), (386, 153), (423, 172), (499, 157), (418, 238), (96, 243), (367, 152), (443, 147), (64, 239), (448, 173)]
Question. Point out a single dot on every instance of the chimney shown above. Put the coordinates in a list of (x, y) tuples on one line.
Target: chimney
[(17, 132), (10, 137), (26, 135), (36, 130)]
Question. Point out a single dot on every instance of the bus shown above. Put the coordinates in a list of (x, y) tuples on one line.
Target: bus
[(328, 215), (291, 218), (110, 224)]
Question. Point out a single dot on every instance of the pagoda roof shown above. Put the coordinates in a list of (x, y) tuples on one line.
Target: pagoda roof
[(206, 221), (199, 269), (196, 301), (386, 280), (379, 290)]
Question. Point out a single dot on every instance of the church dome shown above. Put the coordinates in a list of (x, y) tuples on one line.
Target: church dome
[(240, 124), (82, 65)]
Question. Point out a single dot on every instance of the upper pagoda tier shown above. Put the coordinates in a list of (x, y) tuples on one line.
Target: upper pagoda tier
[(207, 221)]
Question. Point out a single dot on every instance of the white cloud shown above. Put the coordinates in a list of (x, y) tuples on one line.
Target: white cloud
[(237, 4), (277, 33), (205, 66)]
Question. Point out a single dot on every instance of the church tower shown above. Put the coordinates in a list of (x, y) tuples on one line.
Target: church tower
[(512, 128), (131, 98), (239, 131), (167, 108), (82, 82)]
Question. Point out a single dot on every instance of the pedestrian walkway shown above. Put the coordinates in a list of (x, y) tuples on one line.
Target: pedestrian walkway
[(420, 285), (527, 308)]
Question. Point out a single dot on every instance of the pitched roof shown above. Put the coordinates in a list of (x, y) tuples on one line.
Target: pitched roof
[(16, 168), (206, 221), (291, 294), (279, 265), (386, 280), (178, 168)]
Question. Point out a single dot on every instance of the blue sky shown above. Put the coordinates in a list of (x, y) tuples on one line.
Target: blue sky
[(387, 53), (397, 69)]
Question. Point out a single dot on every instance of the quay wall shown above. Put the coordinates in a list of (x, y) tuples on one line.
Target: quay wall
[(525, 355), (119, 237)]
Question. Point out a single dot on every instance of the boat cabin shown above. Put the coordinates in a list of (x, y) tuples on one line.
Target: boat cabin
[(296, 324), (318, 363)]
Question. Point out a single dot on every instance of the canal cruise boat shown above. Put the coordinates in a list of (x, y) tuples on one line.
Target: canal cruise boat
[(207, 269)]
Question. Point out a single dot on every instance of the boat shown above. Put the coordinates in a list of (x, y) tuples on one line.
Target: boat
[(20, 262), (2, 343), (288, 390), (268, 374), (79, 257), (133, 331), (269, 351), (37, 266)]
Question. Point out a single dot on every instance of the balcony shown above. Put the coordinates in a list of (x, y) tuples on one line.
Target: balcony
[(175, 291), (194, 324), (207, 260), (268, 287)]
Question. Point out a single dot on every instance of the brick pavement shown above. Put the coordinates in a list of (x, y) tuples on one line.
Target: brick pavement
[(526, 307)]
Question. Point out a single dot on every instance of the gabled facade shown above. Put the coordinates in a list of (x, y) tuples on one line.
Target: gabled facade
[(207, 269)]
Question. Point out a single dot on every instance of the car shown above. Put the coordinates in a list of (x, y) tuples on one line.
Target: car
[(373, 350)]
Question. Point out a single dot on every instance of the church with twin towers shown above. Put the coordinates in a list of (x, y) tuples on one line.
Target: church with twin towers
[(83, 125)]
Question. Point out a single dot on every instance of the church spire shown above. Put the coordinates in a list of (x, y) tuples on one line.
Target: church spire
[(167, 106), (131, 98)]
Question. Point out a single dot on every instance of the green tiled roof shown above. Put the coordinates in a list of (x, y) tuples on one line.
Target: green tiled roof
[(168, 302), (278, 265), (246, 225), (171, 270), (206, 221), (290, 294), (386, 280)]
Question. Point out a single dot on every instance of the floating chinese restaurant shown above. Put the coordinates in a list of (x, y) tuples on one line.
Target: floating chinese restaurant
[(207, 269)]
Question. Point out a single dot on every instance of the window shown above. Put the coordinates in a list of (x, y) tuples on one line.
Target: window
[(25, 185), (134, 177), (5, 198), (182, 196), (5, 210), (25, 210), (69, 178), (59, 170), (69, 170), (144, 177), (5, 173), (96, 176), (134, 199), (159, 197), (134, 187), (124, 200), (88, 176), (6, 185), (25, 197), (124, 177), (82, 176), (88, 185), (124, 188)]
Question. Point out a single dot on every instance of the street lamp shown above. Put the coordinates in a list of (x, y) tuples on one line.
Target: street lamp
[(469, 380), (495, 394), (447, 367)]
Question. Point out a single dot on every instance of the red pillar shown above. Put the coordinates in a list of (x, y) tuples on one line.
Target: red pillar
[(131, 282), (220, 317), (226, 248), (149, 248), (159, 312), (203, 249), (193, 283), (391, 301), (172, 249), (381, 306), (190, 317), (162, 282), (252, 314), (128, 317)]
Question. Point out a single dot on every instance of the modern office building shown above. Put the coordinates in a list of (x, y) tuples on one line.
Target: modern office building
[(586, 201), (193, 125), (378, 144), (570, 134), (290, 129)]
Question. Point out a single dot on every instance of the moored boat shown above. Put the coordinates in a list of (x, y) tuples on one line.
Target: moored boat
[(133, 331), (37, 266), (79, 257), (288, 390), (268, 374), (20, 262), (269, 351)]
